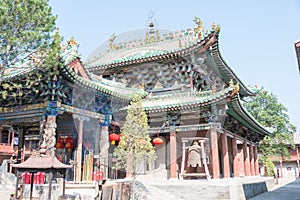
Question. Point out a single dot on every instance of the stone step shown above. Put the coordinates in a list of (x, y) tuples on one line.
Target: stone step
[(187, 191)]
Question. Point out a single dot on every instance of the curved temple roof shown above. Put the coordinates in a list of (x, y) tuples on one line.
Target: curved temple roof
[(174, 45), (167, 48), (41, 161)]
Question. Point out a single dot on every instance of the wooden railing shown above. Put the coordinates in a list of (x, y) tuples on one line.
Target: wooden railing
[(7, 148)]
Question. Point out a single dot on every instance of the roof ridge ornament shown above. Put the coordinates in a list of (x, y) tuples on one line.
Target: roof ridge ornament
[(111, 41), (199, 29), (152, 35)]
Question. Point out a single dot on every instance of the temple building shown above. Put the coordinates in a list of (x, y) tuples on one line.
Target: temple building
[(191, 96)]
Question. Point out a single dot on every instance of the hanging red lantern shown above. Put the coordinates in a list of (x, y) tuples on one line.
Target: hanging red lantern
[(157, 141), (60, 145), (60, 140), (113, 138), (68, 145), (69, 140)]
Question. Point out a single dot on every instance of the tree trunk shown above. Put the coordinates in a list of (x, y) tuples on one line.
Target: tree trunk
[(130, 165)]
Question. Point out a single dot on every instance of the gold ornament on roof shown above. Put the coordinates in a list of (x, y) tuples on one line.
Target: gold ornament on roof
[(231, 83), (218, 28), (235, 90), (199, 28), (213, 26), (236, 87), (152, 39), (143, 86), (72, 42)]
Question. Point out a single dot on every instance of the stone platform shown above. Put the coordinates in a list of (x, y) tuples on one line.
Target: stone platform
[(222, 189)]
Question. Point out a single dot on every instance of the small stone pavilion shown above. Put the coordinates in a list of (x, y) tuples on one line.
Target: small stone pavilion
[(191, 96)]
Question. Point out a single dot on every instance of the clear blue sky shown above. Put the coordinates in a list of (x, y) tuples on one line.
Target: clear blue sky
[(256, 40)]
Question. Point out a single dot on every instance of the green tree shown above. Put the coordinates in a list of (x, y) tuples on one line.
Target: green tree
[(26, 27), (269, 112), (266, 108), (135, 143), (27, 40), (269, 167)]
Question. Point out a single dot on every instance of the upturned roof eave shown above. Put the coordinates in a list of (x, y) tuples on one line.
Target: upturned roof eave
[(228, 72), (99, 87), (241, 114)]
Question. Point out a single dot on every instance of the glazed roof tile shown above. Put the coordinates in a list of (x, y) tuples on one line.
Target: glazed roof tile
[(20, 69), (168, 49), (184, 100), (97, 83), (139, 52)]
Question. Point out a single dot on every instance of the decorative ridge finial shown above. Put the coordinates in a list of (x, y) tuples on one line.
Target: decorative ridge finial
[(199, 29), (152, 35)]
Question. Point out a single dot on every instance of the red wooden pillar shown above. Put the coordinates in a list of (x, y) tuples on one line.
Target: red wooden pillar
[(173, 152), (225, 155), (214, 153), (236, 170), (256, 165), (252, 161), (241, 162), (246, 159)]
